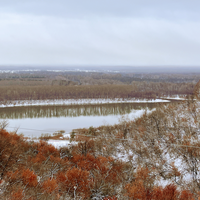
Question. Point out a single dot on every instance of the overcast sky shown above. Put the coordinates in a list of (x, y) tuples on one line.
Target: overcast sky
[(100, 32)]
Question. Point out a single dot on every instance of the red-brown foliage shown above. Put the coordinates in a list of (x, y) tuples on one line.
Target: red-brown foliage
[(11, 146), (75, 179), (141, 189), (49, 186), (44, 150), (186, 195), (29, 178), (17, 195), (79, 174)]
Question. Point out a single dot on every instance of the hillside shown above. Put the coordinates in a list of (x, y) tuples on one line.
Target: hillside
[(156, 154)]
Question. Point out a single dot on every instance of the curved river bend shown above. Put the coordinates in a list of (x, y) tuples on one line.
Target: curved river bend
[(32, 121)]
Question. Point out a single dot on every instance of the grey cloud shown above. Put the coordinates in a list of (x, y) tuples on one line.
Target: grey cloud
[(122, 8), (106, 32)]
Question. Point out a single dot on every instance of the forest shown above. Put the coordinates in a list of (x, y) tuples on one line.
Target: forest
[(153, 157), (45, 85)]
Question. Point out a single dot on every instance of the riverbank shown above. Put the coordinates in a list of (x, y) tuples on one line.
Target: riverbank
[(77, 102)]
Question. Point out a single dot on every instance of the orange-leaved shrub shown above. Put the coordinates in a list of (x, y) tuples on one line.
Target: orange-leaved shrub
[(29, 178), (75, 180), (50, 186), (142, 189)]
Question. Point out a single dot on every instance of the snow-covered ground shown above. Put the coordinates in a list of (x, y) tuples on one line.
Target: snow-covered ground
[(183, 118), (61, 143), (175, 98), (76, 102)]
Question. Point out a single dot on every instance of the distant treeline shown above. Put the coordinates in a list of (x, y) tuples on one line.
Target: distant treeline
[(99, 78), (139, 90)]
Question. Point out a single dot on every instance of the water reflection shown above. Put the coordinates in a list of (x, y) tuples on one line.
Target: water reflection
[(72, 110), (32, 121)]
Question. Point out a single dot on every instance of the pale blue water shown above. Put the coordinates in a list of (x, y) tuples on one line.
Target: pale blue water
[(34, 127)]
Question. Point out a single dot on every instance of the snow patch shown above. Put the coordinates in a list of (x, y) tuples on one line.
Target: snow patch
[(76, 102), (61, 143)]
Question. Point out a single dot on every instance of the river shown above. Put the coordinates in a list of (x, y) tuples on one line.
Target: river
[(32, 121)]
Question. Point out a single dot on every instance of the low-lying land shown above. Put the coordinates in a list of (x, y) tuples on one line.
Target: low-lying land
[(45, 85)]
